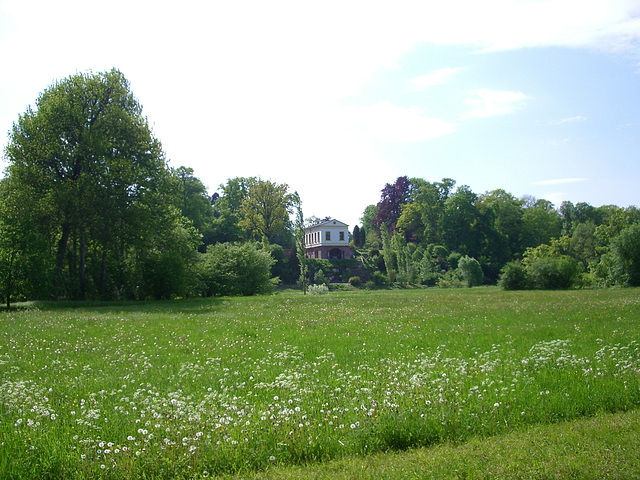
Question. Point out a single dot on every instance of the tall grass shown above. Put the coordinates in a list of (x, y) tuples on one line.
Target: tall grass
[(196, 388)]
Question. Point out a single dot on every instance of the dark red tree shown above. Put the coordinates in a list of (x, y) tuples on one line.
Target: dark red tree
[(391, 201)]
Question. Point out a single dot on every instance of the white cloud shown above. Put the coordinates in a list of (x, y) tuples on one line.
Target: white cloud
[(488, 103), (561, 181), (577, 118), (253, 87), (438, 77), (391, 123)]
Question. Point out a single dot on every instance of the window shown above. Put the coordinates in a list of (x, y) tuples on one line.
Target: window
[(342, 236), (327, 236)]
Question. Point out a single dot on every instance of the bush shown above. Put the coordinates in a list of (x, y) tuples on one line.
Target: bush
[(231, 269), (554, 273), (355, 281), (514, 276), (450, 280), (320, 278), (471, 271), (318, 290), (379, 279)]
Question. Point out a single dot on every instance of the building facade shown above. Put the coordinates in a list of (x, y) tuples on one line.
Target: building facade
[(329, 239)]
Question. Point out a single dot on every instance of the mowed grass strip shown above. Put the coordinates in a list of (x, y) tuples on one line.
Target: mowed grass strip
[(599, 447), (205, 387)]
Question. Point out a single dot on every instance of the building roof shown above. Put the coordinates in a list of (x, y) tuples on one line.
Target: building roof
[(331, 222)]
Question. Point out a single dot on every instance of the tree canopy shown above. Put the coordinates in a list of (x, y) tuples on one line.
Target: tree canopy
[(89, 208)]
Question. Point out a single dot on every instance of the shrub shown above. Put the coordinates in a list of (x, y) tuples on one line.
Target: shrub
[(514, 276), (231, 269), (318, 290), (554, 273), (470, 270), (355, 281), (320, 278), (450, 280), (379, 279)]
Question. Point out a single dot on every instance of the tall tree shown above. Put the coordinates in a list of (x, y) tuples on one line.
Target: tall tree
[(301, 252), (265, 209), (90, 154), (460, 223), (391, 200), (192, 198), (541, 223)]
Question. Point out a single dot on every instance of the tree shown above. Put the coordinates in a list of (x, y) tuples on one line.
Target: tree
[(97, 169), (192, 199), (301, 251), (225, 226), (389, 208), (625, 250), (460, 223), (421, 219), (540, 223), (264, 211), (372, 237), (507, 212)]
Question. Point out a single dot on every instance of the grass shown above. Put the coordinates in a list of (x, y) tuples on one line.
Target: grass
[(599, 447), (250, 386)]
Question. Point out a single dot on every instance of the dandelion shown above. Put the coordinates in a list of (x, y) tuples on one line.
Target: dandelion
[(272, 458)]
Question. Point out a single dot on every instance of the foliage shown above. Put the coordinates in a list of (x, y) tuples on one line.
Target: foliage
[(237, 269), (355, 281), (392, 198), (625, 256), (300, 244), (552, 273), (94, 185), (471, 271), (514, 276), (321, 289), (264, 210), (450, 279), (379, 279), (320, 278)]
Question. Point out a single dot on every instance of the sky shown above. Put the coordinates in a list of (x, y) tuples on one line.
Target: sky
[(338, 98)]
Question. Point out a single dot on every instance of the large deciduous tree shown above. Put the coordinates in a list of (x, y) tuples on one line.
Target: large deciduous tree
[(265, 210), (391, 200), (90, 155)]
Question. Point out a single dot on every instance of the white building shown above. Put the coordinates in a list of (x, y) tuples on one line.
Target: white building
[(328, 239)]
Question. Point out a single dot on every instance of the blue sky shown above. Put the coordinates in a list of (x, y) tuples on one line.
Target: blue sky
[(537, 97)]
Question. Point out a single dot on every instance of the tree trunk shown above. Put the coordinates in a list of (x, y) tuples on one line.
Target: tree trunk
[(103, 276), (62, 250), (83, 268)]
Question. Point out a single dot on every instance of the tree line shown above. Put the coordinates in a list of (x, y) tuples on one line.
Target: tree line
[(90, 208), (435, 233)]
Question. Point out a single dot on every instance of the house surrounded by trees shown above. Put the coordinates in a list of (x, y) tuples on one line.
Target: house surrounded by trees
[(328, 239)]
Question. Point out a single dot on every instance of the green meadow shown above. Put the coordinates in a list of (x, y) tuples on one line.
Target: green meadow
[(249, 386)]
